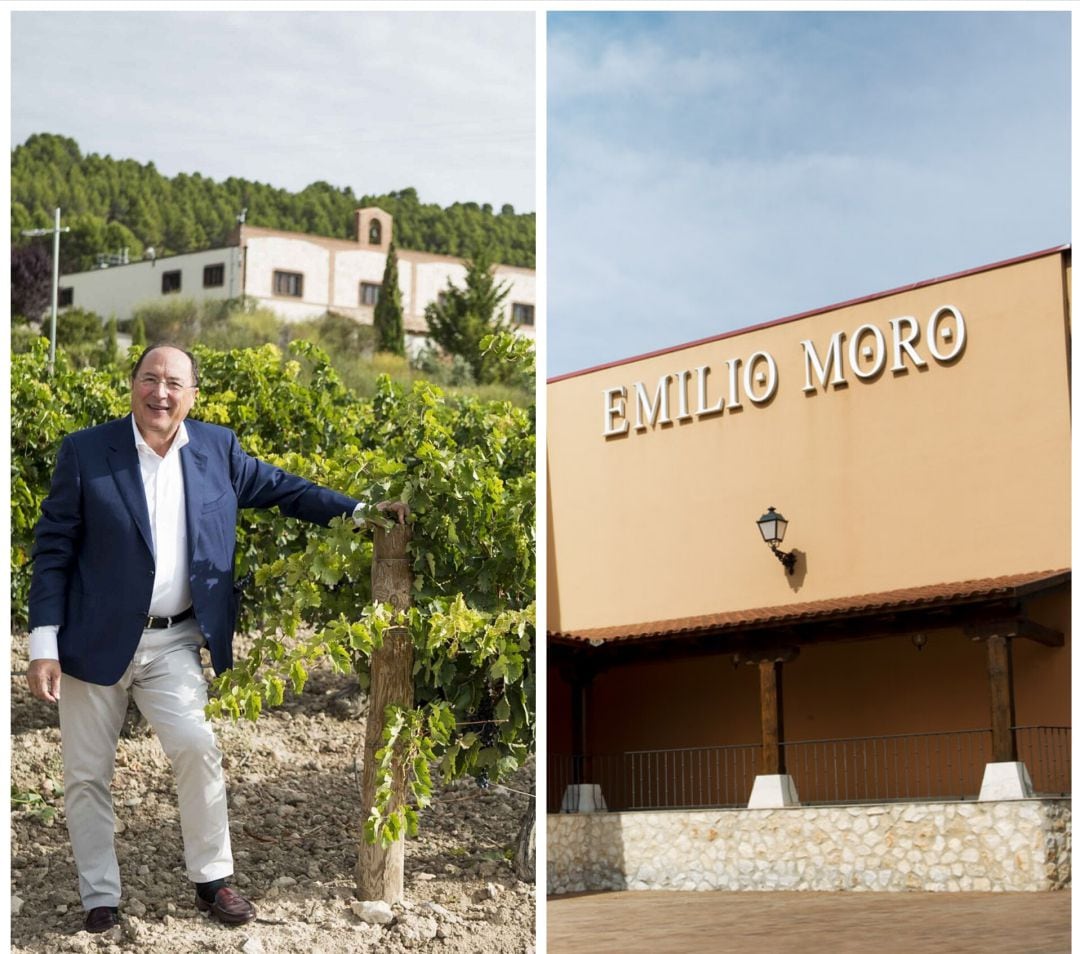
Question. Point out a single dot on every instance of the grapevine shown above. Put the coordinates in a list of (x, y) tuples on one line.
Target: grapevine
[(466, 469)]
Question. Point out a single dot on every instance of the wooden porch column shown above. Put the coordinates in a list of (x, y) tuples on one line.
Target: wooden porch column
[(1002, 703), (772, 717), (578, 697)]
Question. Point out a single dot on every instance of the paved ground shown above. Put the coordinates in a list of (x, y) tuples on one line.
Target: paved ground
[(778, 922)]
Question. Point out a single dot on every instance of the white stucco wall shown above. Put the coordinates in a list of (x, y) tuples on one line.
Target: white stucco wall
[(267, 254), (332, 272), (425, 279), (352, 268), (522, 290), (117, 291)]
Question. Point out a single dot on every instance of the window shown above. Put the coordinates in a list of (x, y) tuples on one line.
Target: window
[(522, 314), (213, 276), (65, 297), (369, 293), (375, 232), (289, 283), (170, 282)]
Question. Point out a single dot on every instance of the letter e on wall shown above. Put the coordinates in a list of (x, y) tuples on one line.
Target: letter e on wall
[(615, 407)]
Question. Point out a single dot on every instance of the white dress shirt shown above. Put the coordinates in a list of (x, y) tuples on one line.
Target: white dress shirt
[(163, 482)]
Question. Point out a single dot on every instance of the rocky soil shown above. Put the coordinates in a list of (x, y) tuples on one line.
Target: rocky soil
[(294, 796)]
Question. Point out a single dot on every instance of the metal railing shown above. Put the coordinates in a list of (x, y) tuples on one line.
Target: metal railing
[(889, 768), (1046, 750), (909, 766), (659, 778)]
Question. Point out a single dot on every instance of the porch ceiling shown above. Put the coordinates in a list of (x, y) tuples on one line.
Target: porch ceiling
[(941, 605)]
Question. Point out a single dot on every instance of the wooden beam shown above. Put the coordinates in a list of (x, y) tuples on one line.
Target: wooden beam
[(1002, 705), (1019, 627), (777, 654), (1040, 633), (1029, 629)]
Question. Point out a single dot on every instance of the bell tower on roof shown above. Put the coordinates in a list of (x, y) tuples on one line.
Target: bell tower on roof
[(374, 228)]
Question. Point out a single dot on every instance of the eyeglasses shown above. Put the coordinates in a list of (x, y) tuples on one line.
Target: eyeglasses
[(149, 383)]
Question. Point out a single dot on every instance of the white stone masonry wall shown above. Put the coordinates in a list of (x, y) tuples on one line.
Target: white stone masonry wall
[(925, 846)]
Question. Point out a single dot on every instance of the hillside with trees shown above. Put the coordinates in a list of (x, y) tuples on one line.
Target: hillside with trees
[(115, 203)]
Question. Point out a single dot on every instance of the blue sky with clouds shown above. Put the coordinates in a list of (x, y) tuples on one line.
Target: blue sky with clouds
[(443, 102), (709, 171)]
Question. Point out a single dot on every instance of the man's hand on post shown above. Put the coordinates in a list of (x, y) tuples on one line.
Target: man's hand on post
[(44, 679), (388, 510)]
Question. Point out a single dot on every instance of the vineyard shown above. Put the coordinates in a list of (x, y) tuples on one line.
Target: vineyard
[(466, 469)]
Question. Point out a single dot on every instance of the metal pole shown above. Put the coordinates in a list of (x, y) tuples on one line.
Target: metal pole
[(55, 291), (55, 232)]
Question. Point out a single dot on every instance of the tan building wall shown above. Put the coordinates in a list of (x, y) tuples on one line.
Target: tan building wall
[(954, 471)]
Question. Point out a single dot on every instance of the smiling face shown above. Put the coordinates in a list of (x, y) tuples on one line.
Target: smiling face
[(162, 393)]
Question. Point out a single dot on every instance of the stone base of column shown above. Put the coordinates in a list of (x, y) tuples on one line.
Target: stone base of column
[(1005, 780), (773, 791), (583, 798)]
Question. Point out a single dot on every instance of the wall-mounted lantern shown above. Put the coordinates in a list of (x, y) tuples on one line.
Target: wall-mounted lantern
[(773, 526)]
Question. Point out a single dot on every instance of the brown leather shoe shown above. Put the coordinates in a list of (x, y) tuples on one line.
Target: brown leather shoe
[(100, 919), (228, 907)]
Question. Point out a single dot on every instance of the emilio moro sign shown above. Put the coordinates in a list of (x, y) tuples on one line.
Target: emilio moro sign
[(704, 391)]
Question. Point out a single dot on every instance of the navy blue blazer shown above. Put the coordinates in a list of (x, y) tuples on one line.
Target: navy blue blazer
[(93, 555)]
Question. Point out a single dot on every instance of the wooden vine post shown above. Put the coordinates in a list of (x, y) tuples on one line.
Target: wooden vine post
[(380, 872)]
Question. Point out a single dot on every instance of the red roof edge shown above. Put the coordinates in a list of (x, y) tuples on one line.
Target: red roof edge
[(1016, 585), (1057, 250)]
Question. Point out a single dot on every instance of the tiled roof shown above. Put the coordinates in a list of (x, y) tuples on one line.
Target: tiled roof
[(912, 598)]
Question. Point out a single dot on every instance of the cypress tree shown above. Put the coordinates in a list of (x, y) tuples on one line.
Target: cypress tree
[(111, 353), (389, 322)]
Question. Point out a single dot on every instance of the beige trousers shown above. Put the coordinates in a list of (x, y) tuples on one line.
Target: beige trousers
[(166, 681)]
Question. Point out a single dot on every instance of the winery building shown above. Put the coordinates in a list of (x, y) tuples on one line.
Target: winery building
[(877, 698), (297, 275)]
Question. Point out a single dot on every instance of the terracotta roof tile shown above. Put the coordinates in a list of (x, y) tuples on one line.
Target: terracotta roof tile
[(917, 597)]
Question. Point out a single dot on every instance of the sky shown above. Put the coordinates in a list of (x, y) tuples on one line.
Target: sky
[(711, 171), (442, 102)]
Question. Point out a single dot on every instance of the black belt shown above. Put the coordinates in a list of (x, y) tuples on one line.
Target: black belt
[(164, 622)]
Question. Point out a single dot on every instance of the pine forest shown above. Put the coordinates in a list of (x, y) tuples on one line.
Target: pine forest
[(112, 204)]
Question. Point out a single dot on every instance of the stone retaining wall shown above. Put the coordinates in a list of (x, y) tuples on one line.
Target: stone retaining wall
[(926, 846)]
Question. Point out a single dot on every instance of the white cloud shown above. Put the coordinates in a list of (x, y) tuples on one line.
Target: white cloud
[(642, 68), (444, 102), (819, 185)]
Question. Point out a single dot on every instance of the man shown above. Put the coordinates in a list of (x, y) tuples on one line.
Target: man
[(133, 575)]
